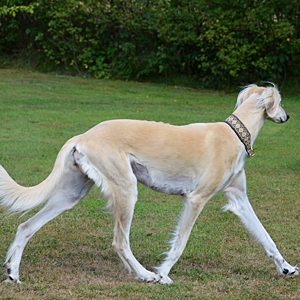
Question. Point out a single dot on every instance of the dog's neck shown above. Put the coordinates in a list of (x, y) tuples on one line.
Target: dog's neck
[(252, 118)]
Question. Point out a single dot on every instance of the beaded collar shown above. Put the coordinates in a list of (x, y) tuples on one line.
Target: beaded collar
[(242, 132)]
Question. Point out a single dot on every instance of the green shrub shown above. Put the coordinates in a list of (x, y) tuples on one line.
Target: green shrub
[(221, 42)]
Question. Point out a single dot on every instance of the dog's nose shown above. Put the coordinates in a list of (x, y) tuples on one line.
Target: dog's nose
[(287, 116)]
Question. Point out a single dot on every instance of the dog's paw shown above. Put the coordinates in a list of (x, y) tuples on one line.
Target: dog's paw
[(150, 277), (9, 279), (290, 272), (165, 280)]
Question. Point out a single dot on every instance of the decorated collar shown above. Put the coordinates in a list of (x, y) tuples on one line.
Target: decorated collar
[(242, 132)]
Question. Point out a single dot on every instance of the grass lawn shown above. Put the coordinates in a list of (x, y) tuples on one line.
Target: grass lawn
[(72, 257)]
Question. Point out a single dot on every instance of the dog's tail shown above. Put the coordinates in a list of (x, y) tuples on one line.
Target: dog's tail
[(19, 199)]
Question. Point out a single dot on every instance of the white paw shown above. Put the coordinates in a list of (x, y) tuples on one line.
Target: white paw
[(165, 280), (150, 277), (11, 280), (290, 272)]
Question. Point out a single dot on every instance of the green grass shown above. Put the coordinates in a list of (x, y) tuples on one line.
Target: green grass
[(72, 258)]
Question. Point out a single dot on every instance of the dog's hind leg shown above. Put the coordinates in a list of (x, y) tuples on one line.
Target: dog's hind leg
[(71, 190), (192, 207), (240, 205), (113, 173), (123, 199)]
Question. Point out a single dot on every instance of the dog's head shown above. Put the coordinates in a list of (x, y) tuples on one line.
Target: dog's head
[(268, 98)]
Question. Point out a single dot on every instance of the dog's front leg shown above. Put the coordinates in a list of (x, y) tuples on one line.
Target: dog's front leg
[(240, 205)]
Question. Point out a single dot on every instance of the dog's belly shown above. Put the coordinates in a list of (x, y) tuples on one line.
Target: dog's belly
[(157, 182)]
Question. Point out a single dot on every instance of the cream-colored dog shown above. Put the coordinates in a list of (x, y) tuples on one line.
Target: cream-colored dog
[(196, 161)]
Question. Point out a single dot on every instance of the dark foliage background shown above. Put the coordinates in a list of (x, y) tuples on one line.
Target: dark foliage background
[(219, 42)]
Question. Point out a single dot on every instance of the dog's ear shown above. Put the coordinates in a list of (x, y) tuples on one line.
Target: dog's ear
[(243, 95), (271, 99), (247, 92)]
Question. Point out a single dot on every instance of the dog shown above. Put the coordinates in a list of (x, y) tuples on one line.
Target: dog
[(196, 161)]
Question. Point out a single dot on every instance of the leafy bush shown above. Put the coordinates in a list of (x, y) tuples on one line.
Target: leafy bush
[(218, 41)]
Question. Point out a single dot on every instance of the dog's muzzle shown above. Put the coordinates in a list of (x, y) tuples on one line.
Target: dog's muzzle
[(283, 121)]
